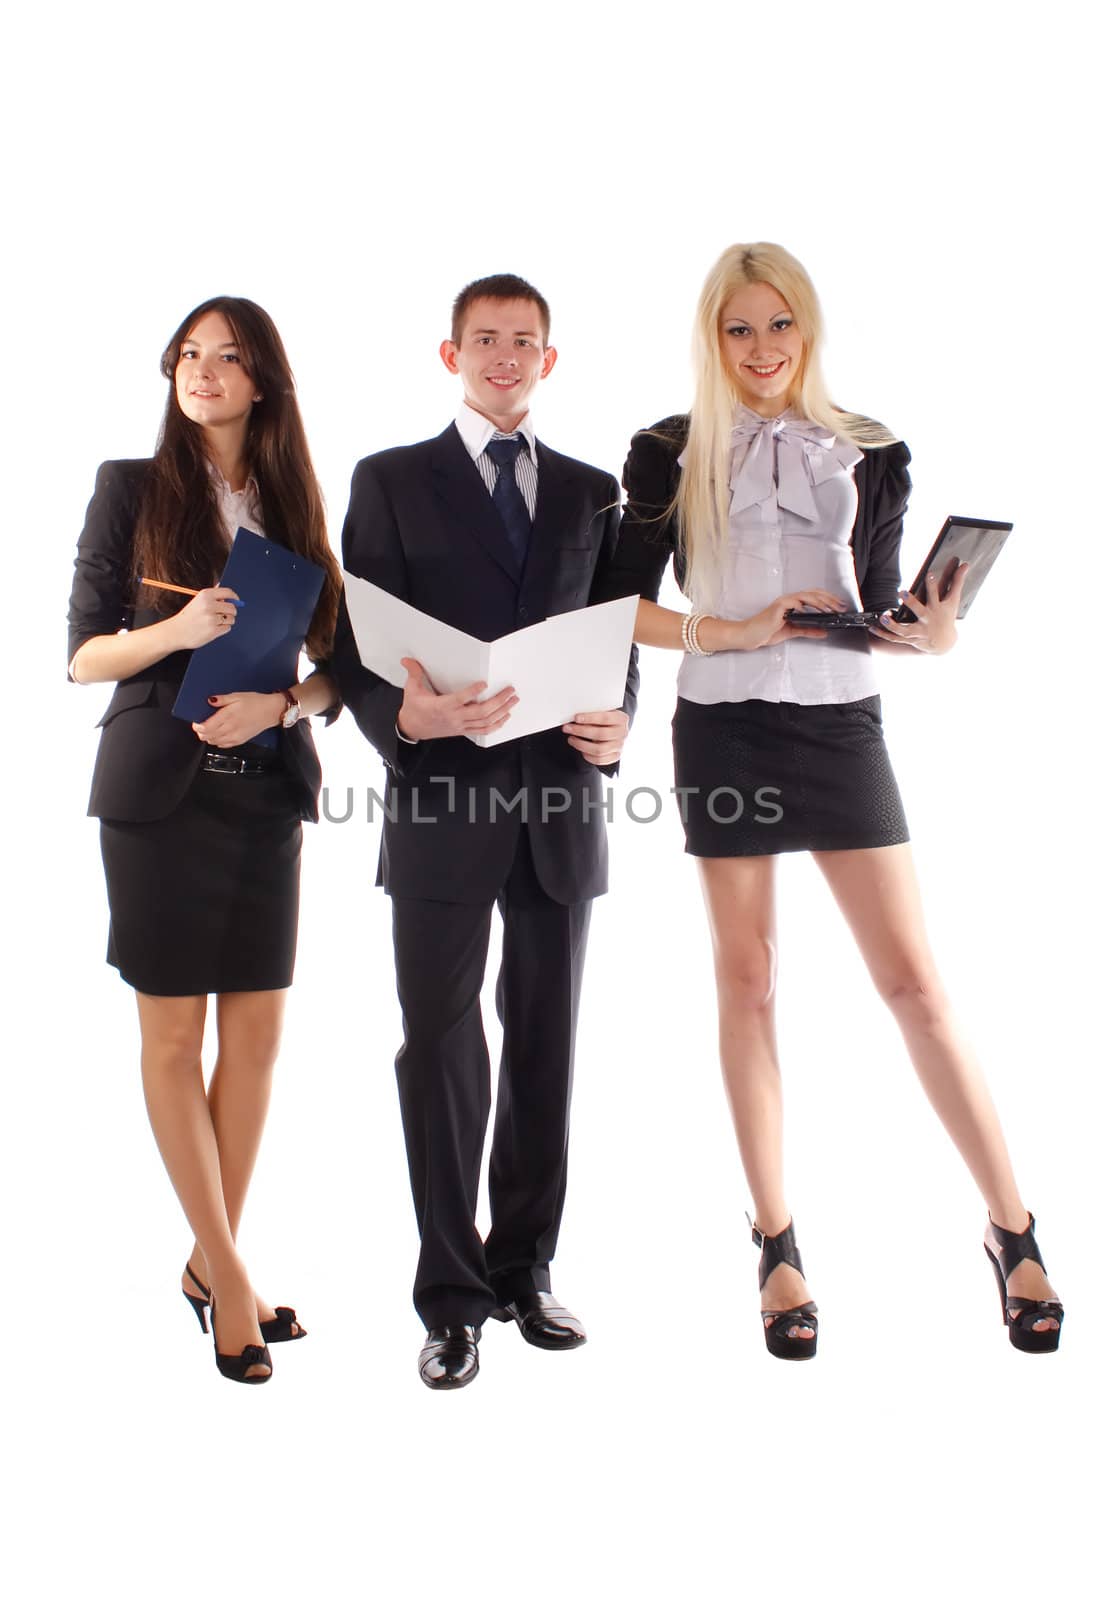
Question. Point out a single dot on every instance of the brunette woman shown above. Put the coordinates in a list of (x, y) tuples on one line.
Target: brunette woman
[(770, 499), (200, 824)]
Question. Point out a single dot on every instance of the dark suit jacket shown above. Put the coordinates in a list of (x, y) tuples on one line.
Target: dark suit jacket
[(422, 525), (147, 758), (649, 536)]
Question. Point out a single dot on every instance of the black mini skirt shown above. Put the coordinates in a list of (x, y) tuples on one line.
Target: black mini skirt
[(756, 778), (205, 901)]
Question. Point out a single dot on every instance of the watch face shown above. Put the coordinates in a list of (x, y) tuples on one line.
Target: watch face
[(292, 713)]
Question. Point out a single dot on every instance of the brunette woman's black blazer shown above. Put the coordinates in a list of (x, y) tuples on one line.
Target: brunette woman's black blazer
[(648, 537), (147, 758)]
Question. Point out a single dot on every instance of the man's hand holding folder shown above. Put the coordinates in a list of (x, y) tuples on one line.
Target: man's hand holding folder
[(426, 714), (578, 658)]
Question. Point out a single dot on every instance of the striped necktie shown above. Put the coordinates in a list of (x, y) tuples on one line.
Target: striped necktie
[(507, 496)]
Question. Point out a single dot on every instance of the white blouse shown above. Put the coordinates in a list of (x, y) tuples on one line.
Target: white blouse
[(239, 508), (793, 505)]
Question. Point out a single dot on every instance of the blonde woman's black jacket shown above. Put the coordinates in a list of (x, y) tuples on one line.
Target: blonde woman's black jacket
[(649, 536), (147, 758)]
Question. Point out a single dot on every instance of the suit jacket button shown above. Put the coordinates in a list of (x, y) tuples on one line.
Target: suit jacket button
[(523, 612)]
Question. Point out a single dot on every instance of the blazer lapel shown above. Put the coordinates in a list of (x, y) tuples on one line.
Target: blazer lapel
[(461, 489), (555, 520)]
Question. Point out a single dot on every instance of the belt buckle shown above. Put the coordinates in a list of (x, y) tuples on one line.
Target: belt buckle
[(238, 766)]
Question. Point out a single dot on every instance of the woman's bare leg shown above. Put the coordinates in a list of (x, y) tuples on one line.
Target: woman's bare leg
[(171, 1072), (878, 895), (739, 897), (249, 1030)]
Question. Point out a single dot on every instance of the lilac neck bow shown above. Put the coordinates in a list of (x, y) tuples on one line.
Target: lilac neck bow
[(789, 454)]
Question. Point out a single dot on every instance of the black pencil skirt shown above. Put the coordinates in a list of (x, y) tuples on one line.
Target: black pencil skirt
[(759, 779), (205, 901)]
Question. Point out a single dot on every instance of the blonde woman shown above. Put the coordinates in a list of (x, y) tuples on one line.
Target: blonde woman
[(770, 498)]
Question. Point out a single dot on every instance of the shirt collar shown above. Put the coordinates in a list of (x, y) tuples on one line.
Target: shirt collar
[(220, 483), (476, 430)]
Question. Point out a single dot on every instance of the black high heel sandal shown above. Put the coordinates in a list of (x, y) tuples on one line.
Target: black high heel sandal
[(1006, 1251), (780, 1249), (276, 1330), (236, 1367), (279, 1328)]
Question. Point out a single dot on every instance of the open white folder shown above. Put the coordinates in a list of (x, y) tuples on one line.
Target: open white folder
[(577, 661)]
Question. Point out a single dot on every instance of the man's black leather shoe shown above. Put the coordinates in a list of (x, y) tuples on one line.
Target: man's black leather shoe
[(543, 1321), (449, 1358)]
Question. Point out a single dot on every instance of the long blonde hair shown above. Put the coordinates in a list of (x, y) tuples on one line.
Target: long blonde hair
[(703, 497)]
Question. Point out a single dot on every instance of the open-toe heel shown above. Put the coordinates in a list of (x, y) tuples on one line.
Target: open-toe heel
[(1005, 1251), (197, 1304), (236, 1367), (781, 1328), (282, 1328)]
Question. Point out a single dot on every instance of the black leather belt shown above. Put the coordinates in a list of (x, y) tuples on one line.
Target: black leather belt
[(249, 766)]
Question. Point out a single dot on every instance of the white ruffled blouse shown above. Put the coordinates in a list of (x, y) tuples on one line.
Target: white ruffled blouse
[(793, 504)]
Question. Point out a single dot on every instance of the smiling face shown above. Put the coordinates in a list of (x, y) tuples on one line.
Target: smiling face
[(762, 347), (211, 384), (501, 358)]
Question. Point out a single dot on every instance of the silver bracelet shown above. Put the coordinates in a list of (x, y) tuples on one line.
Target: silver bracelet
[(690, 640)]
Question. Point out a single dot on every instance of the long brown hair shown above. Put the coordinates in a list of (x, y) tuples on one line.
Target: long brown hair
[(179, 536)]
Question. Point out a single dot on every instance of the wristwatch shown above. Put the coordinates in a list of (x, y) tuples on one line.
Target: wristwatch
[(292, 712)]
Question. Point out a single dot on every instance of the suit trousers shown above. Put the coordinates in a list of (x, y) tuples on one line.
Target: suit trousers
[(444, 1081)]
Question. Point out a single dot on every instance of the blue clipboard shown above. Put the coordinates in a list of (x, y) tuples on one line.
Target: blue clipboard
[(261, 651)]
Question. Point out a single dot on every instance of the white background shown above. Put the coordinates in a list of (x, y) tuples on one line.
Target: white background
[(932, 168)]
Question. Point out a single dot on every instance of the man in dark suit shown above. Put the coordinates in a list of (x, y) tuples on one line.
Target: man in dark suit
[(488, 530)]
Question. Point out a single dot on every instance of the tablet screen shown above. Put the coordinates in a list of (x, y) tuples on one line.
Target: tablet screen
[(970, 539)]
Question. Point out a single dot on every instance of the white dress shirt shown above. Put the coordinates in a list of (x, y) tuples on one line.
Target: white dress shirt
[(239, 508), (477, 432), (793, 505)]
